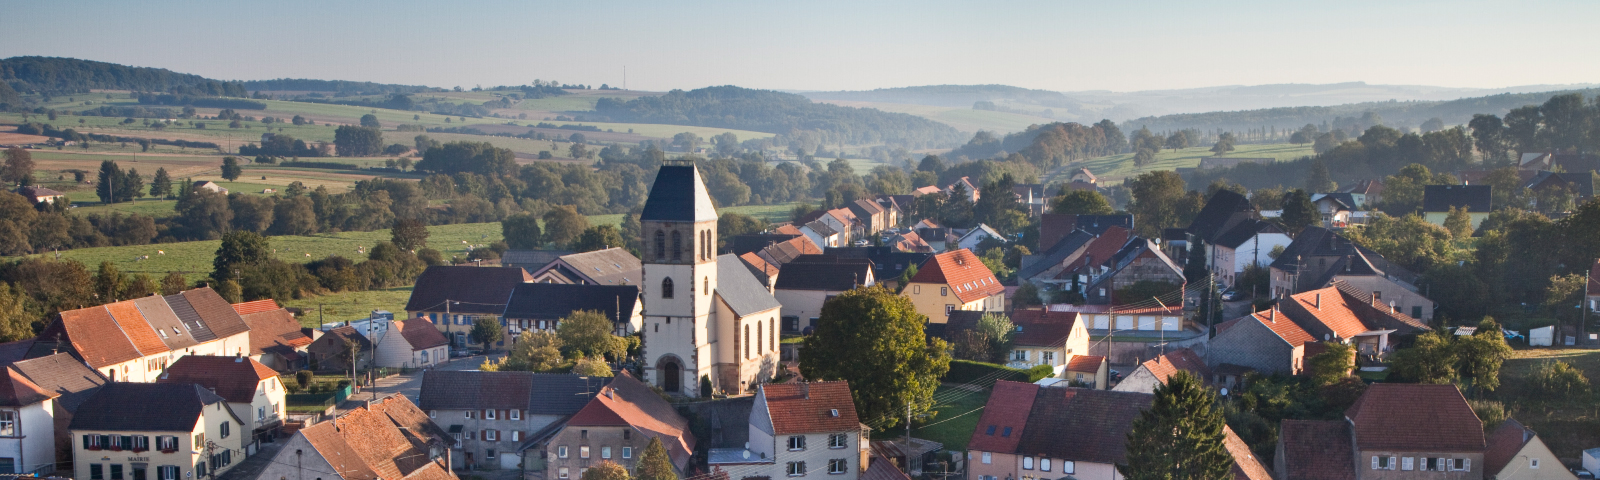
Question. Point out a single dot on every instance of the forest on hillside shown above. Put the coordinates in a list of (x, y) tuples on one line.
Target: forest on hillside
[(1394, 114), (789, 115), (51, 75)]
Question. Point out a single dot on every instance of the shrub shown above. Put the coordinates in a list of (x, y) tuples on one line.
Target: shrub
[(1558, 379), (1490, 411), (983, 374)]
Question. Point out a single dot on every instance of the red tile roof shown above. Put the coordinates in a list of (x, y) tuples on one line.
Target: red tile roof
[(966, 275), (258, 306), (1316, 450), (326, 439), (1245, 464), (1082, 425), (810, 407), (136, 327), (17, 391), (421, 333), (232, 378), (789, 230), (1007, 410), (1086, 363), (1280, 324), (1100, 250), (1333, 312), (1426, 418), (381, 446), (96, 336), (274, 328), (1503, 445), (627, 402), (1183, 359)]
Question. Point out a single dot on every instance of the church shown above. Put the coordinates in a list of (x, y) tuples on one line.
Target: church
[(707, 319)]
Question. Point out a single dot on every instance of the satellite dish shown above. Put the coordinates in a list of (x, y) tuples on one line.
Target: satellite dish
[(1224, 391)]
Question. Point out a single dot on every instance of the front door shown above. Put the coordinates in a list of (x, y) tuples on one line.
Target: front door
[(671, 377)]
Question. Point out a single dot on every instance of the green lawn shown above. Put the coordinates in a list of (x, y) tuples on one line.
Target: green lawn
[(148, 207), (948, 426), (1115, 168), (346, 306), (1567, 427)]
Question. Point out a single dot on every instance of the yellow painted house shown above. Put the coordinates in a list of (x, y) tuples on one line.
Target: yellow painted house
[(954, 280)]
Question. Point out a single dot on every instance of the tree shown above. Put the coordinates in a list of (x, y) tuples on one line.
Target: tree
[(521, 231), (409, 234), (577, 150), (1224, 144), (1319, 180), (563, 225), (1159, 201), (1481, 355), (1027, 296), (161, 185), (1458, 223), (18, 165), (534, 351), (1180, 437), (606, 470), (132, 185), (1333, 365), (173, 283), (1324, 143), (358, 141), (239, 249), (1429, 360), (591, 367), (654, 463), (231, 169), (15, 322), (1298, 211), (1000, 333), (598, 237), (1558, 380), (371, 121), (588, 332), (109, 183), (1081, 202), (1144, 156), (486, 331), (893, 365)]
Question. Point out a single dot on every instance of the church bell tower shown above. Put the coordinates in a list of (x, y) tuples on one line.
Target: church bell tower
[(679, 225)]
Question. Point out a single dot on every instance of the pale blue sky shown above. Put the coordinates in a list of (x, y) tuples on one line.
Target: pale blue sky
[(1059, 45)]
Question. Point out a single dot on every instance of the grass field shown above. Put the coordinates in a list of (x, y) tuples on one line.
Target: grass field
[(949, 427), (1113, 169), (1567, 428), (963, 119), (346, 306)]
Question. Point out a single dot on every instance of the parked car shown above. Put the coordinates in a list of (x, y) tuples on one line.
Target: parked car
[(1230, 295)]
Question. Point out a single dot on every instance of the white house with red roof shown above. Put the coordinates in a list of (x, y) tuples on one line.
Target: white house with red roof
[(412, 343), (799, 429), (27, 425), (616, 426), (954, 280)]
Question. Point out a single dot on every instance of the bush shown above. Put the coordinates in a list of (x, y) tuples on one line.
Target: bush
[(1558, 380), (303, 378), (1489, 411), (984, 374)]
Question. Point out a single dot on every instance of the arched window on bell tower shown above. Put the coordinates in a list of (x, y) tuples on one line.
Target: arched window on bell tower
[(677, 246), (666, 288), (661, 245)]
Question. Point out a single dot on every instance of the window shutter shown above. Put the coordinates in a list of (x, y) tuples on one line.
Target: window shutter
[(1374, 462), (1391, 463), (1442, 465), (1467, 467), (484, 434)]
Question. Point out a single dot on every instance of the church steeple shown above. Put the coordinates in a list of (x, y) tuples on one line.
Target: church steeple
[(679, 220)]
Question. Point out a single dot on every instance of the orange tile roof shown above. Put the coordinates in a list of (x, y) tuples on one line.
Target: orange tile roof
[(1100, 250), (1332, 311), (759, 264), (1006, 413), (963, 272), (258, 306), (1286, 329), (1504, 443), (1085, 363), (627, 402), (16, 390), (1183, 359), (232, 378), (136, 327), (810, 407), (789, 229), (274, 328), (1245, 464), (96, 337), (326, 439)]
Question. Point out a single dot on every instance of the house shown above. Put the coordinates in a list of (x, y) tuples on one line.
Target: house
[(336, 349), (1249, 242), (1222, 212), (908, 241), (1571, 162), (491, 414), (276, 338), (852, 227), (1054, 227), (781, 253), (1335, 208), (27, 425), (1365, 192), (1155, 372), (1141, 260), (800, 429), (134, 340), (1318, 257), (1438, 199), (888, 264), (412, 343), (964, 187), (610, 266), (1073, 261), (1032, 197), (1083, 175), (1042, 337), (809, 281), (38, 195), (541, 306), (698, 305), (1578, 186), (388, 439), (1265, 341), (954, 280), (1513, 452), (1106, 317), (252, 391), (1047, 432), (531, 260), (454, 297), (72, 383), (170, 431), (616, 425), (1088, 371), (977, 235), (1342, 313), (1246, 466), (1394, 430), (765, 271), (210, 186), (928, 190), (822, 234), (874, 217)]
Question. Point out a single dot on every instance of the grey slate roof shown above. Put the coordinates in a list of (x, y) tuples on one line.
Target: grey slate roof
[(678, 196), (1222, 211), (886, 261), (1243, 232), (1581, 184), (1053, 256), (611, 266), (531, 260), (62, 374), (144, 407), (737, 286), (1439, 198), (551, 301), (821, 228), (190, 318), (824, 272), (538, 393), (477, 290), (162, 317)]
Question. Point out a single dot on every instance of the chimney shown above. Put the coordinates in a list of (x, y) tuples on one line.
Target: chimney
[(1272, 315), (1319, 301), (805, 390)]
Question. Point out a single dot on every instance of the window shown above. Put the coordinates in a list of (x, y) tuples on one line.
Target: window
[(8, 423), (583, 451), (1048, 357), (167, 472), (944, 291), (167, 443), (96, 472), (1461, 464), (1019, 355), (705, 288), (516, 435), (491, 435), (199, 439), (796, 469), (661, 254), (605, 452), (677, 246), (1382, 463), (838, 440), (758, 335), (666, 288), (627, 452), (563, 472), (1006, 432), (470, 414), (986, 459), (989, 431), (948, 308), (627, 434), (1408, 463), (772, 333), (746, 341), (92, 442), (433, 414), (224, 430), (797, 442), (116, 471), (138, 473), (1416, 311), (1067, 467), (261, 413), (489, 454), (837, 466), (488, 414), (472, 435), (1027, 463), (1044, 464), (561, 451), (138, 443)]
